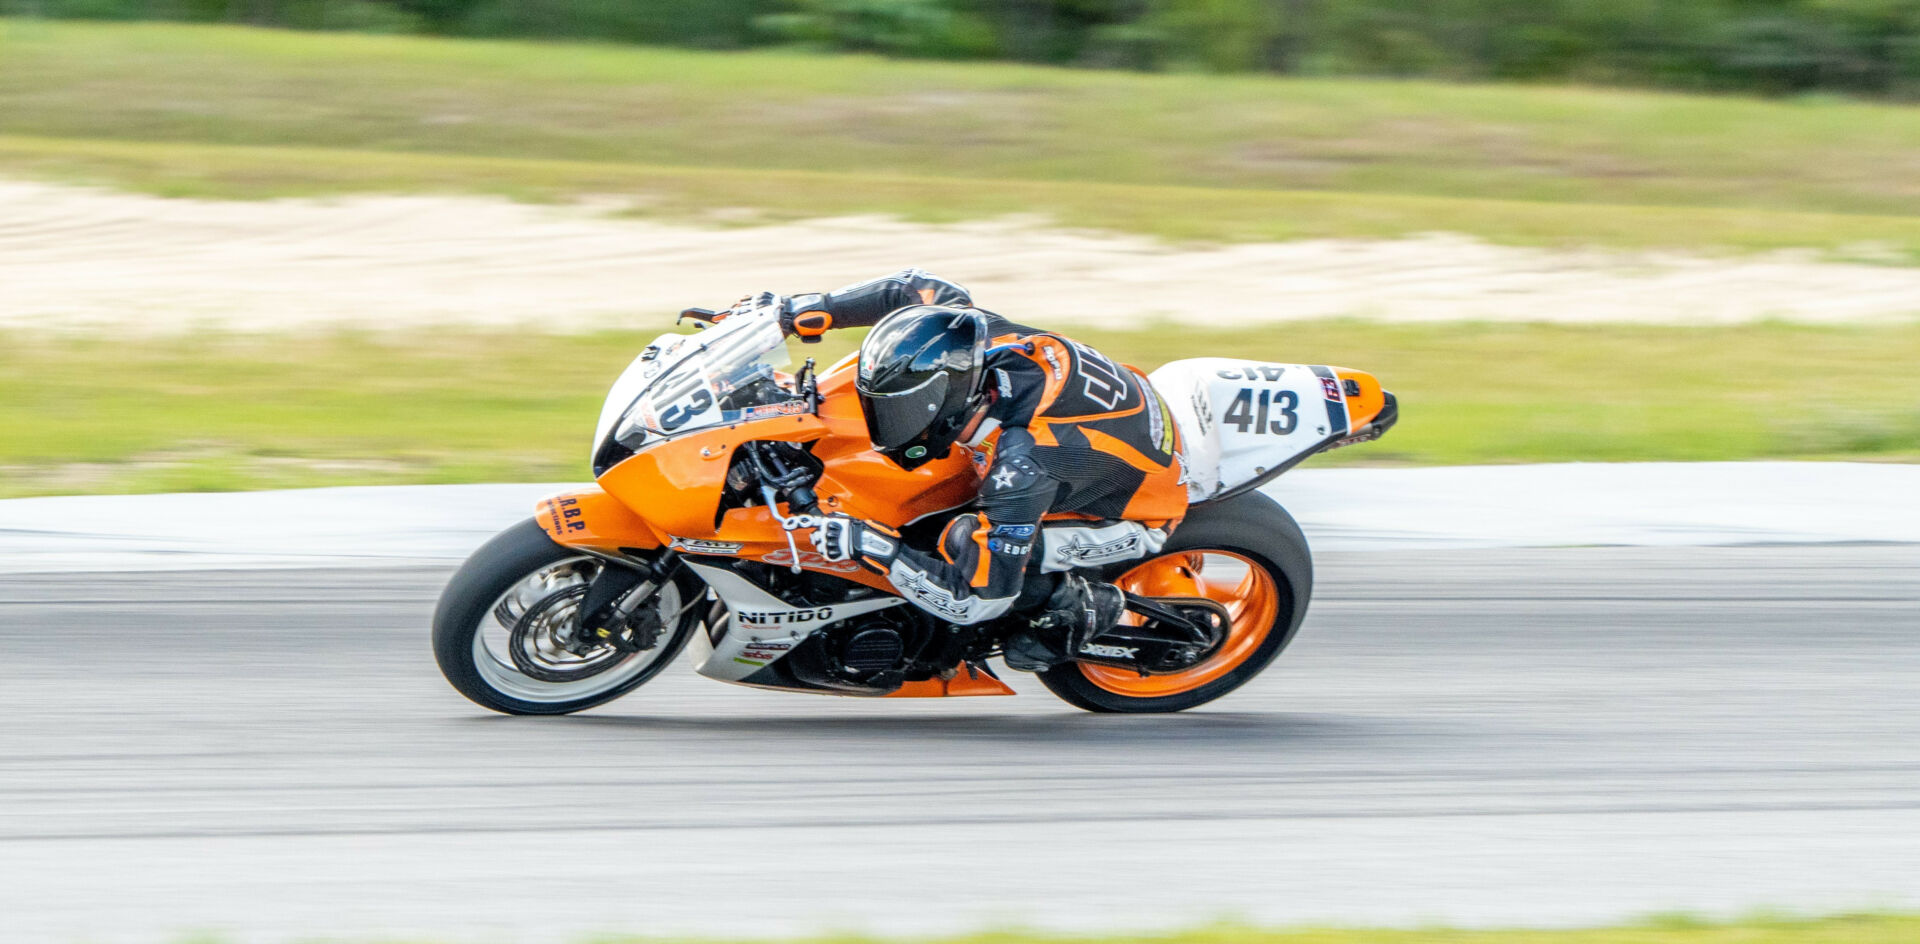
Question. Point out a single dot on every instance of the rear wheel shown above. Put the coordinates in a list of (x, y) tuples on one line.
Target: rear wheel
[(1246, 554), (505, 633)]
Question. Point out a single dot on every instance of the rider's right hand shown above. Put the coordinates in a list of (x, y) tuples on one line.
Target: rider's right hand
[(800, 315), (836, 538), (839, 537)]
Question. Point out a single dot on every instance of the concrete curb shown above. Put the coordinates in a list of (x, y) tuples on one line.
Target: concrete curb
[(1644, 504)]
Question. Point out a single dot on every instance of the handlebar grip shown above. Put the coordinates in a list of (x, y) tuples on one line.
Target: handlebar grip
[(802, 499)]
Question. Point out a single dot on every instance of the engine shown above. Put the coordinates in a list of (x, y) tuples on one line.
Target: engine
[(825, 633), (871, 655)]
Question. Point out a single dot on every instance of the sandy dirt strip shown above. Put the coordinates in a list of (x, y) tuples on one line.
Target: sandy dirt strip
[(78, 258)]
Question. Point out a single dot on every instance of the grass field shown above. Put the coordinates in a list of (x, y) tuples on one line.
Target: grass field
[(237, 112), (1853, 929), (232, 412)]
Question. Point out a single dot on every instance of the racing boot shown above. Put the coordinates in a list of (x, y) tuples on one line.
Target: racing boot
[(1078, 610)]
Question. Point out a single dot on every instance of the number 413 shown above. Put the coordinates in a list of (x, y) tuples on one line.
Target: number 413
[(1241, 412)]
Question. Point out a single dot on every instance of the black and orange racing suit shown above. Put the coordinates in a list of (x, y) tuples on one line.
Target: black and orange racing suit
[(1069, 433)]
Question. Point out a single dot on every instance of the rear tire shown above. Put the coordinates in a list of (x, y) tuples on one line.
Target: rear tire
[(469, 614), (1251, 527)]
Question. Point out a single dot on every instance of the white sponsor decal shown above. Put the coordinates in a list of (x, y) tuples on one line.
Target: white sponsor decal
[(1077, 550), (1109, 652), (1069, 547), (1053, 360), (781, 557), (914, 585), (789, 408), (697, 546), (760, 619), (764, 652), (1202, 410), (1157, 425), (871, 543)]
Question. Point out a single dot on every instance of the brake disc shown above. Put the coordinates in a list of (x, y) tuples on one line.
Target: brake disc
[(547, 643)]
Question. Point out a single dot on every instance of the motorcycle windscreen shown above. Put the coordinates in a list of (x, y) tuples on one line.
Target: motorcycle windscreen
[(685, 383)]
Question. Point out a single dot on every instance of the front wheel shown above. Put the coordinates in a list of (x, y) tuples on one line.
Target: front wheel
[(1245, 553), (505, 630)]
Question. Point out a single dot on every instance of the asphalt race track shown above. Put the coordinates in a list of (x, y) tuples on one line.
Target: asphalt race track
[(1505, 737)]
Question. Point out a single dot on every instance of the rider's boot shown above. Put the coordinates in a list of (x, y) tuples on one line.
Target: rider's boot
[(1078, 610)]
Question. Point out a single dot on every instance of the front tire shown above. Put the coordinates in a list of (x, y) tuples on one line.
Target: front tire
[(522, 570), (1247, 553)]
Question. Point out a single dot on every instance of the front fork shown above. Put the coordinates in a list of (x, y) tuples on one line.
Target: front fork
[(636, 566), (621, 591)]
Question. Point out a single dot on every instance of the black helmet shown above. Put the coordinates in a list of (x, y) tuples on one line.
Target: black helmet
[(920, 379)]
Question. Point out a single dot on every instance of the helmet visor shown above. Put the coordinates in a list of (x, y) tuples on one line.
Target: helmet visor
[(894, 419)]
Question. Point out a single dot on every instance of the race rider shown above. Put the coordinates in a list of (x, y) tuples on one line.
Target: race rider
[(1064, 428)]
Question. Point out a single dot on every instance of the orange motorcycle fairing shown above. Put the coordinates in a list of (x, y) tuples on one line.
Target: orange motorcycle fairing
[(967, 681), (592, 520), (1364, 398), (752, 534), (674, 488), (676, 485), (865, 484)]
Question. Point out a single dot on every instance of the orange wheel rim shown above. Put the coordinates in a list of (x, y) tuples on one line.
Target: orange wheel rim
[(1253, 601)]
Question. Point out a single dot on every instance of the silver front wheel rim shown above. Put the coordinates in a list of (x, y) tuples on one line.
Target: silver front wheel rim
[(493, 634)]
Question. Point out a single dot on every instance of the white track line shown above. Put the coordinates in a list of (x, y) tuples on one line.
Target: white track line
[(1651, 504)]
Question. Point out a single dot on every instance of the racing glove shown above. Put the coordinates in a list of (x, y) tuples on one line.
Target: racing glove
[(749, 304), (806, 316), (840, 537)]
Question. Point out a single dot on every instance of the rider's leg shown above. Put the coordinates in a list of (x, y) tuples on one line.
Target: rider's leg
[(1073, 613)]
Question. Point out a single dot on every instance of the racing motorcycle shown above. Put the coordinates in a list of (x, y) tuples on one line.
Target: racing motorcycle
[(709, 459)]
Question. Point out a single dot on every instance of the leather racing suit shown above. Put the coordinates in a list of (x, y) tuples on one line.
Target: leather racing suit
[(1069, 434)]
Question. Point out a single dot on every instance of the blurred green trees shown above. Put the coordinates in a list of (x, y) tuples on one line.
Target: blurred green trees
[(898, 27), (1769, 46)]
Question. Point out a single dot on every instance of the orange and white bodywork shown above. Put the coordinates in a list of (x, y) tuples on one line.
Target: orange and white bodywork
[(668, 438), (1245, 422)]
